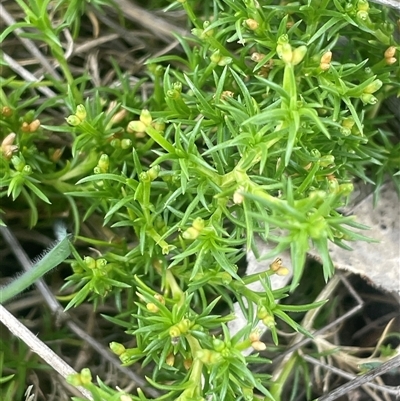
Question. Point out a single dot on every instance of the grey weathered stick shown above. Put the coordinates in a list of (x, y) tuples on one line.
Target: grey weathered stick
[(391, 3), (360, 380), (158, 26), (29, 44), (37, 346), (348, 376)]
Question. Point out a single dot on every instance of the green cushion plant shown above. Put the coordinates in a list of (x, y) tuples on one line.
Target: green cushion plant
[(258, 128)]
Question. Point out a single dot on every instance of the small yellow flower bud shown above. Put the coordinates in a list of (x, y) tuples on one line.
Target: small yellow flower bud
[(6, 111), (257, 57), (324, 66), (346, 189), (226, 94), (27, 170), (170, 359), (320, 195), (198, 224), (362, 5), (220, 60), (80, 112), (117, 348), (174, 331), (136, 126), (285, 52), (326, 57), (118, 117), (258, 345), (34, 125), (103, 163), (18, 163), (333, 188), (153, 172), (276, 264), (145, 117), (327, 160), (218, 344), (225, 278), (56, 155), (7, 146), (282, 271), (187, 363), (390, 52), (184, 325), (209, 357), (299, 54), (86, 376), (325, 61), (8, 140), (190, 233), (348, 123), (75, 379), (368, 98), (251, 24), (255, 335), (126, 143), (238, 196), (207, 33), (89, 262), (269, 321), (224, 61), (262, 312), (151, 307), (390, 60), (362, 15), (73, 120), (25, 127), (159, 126), (373, 86), (159, 298)]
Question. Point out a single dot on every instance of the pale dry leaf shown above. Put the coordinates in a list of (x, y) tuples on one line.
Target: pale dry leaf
[(379, 263), (259, 266)]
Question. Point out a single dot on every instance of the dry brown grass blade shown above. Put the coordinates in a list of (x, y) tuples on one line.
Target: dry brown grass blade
[(38, 347), (158, 26), (28, 44), (26, 75)]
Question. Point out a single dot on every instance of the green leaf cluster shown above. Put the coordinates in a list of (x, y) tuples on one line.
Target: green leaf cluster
[(257, 128)]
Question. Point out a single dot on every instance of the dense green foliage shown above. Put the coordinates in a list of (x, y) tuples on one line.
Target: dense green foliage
[(258, 128)]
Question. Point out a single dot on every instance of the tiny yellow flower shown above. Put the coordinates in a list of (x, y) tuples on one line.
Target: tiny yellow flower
[(251, 24), (390, 52), (34, 125), (7, 146), (170, 359), (258, 345)]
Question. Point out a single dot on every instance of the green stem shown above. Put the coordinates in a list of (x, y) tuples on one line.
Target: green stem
[(190, 13), (289, 85), (157, 137), (59, 56), (278, 384)]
